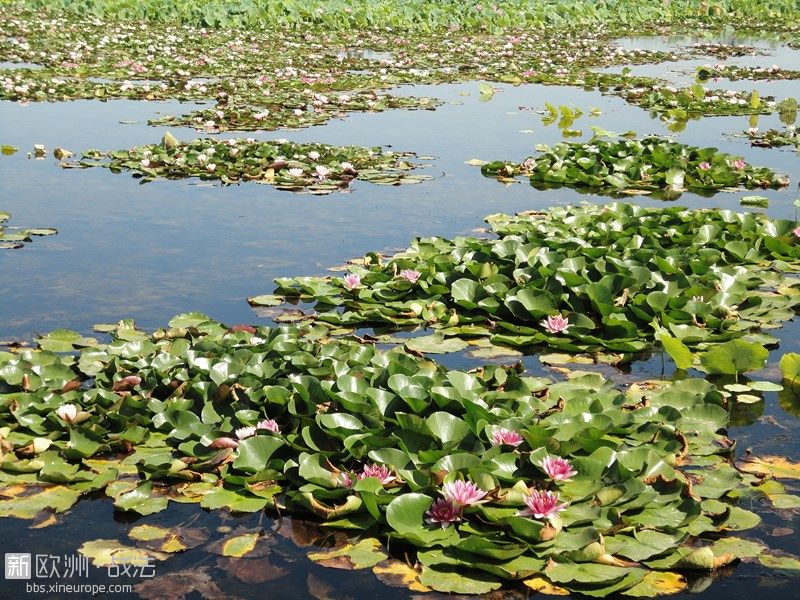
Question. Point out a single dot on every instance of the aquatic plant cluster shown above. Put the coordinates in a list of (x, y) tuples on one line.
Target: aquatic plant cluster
[(632, 165), (12, 238), (487, 471), (316, 168), (581, 279)]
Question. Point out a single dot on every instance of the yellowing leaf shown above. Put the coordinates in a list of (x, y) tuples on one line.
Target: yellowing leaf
[(543, 586), (658, 583), (776, 466), (147, 533), (239, 545), (366, 553), (398, 574), (104, 553)]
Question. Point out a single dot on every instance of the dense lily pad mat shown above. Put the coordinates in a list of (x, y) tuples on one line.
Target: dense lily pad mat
[(573, 482), (633, 165), (317, 168), (590, 278), (11, 238)]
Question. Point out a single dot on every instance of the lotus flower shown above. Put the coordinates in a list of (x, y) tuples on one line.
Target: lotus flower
[(296, 172), (542, 505), (739, 164), (797, 232), (443, 512), (351, 281), (463, 493), (67, 413), (322, 172), (269, 425), (245, 432), (506, 437), (410, 275), (380, 472), (313, 155), (556, 324), (557, 468), (224, 442), (348, 168), (704, 166)]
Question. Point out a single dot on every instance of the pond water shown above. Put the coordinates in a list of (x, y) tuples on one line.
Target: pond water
[(126, 250)]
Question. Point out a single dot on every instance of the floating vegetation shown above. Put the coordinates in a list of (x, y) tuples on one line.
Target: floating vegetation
[(625, 166), (12, 238), (604, 279), (315, 168), (681, 104), (774, 138), (735, 72), (482, 478)]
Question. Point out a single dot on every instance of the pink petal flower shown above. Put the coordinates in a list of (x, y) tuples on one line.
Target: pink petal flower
[(506, 437), (345, 480), (410, 275), (556, 324), (542, 505), (351, 281), (380, 472), (296, 172), (224, 442), (557, 468), (443, 512), (704, 166), (739, 164), (797, 232), (269, 425), (245, 432), (463, 493)]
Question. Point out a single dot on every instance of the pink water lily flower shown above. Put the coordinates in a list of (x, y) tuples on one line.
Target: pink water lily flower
[(296, 172), (463, 493), (557, 468), (269, 425), (797, 232), (542, 505), (351, 281), (224, 442), (739, 164), (322, 172), (704, 166), (443, 512), (556, 324), (410, 275), (345, 480), (506, 437), (380, 472), (245, 432), (67, 413)]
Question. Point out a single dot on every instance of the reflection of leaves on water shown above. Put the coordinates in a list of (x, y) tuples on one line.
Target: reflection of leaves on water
[(251, 570), (322, 590), (180, 584)]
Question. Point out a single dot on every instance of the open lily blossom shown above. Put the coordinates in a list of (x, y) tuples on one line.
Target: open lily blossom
[(506, 437), (379, 472), (797, 232), (542, 504), (269, 425), (463, 493), (738, 164), (224, 442), (296, 172), (704, 166), (557, 468), (67, 413), (410, 275), (351, 281), (321, 172), (245, 432), (556, 324), (443, 512)]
